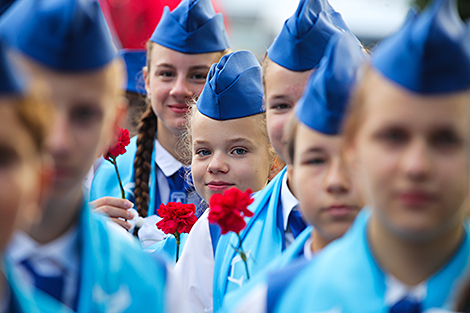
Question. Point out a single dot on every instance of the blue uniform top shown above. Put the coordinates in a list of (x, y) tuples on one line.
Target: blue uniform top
[(345, 277)]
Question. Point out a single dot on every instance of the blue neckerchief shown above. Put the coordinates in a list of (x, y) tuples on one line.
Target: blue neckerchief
[(26, 298), (105, 182), (263, 239), (350, 257), (115, 272)]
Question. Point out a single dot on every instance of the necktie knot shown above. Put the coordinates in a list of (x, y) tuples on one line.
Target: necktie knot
[(296, 223), (406, 305)]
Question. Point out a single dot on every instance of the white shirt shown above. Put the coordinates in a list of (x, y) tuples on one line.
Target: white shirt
[(396, 290), (289, 203), (54, 258)]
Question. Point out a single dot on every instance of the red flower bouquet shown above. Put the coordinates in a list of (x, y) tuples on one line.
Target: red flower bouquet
[(117, 148), (228, 210), (177, 218)]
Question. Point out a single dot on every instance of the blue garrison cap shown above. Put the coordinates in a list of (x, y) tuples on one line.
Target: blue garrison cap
[(65, 35), (233, 88), (135, 61), (304, 36), (192, 27), (10, 82), (324, 102), (430, 54), (4, 5)]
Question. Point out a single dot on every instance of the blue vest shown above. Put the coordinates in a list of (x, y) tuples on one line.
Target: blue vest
[(263, 240), (346, 278), (115, 272), (28, 299)]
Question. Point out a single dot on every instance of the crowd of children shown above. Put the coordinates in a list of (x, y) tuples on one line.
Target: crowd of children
[(357, 164)]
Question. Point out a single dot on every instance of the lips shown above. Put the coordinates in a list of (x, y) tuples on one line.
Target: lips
[(179, 108), (416, 198), (219, 185), (341, 210)]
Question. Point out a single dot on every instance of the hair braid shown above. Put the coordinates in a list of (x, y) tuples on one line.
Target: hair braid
[(142, 162)]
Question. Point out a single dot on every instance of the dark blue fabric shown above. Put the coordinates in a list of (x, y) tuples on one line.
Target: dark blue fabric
[(192, 27), (304, 36), (66, 35), (296, 223), (326, 95), (406, 306), (233, 88), (279, 280), (10, 82), (52, 285), (135, 61), (431, 52), (215, 233), (4, 5)]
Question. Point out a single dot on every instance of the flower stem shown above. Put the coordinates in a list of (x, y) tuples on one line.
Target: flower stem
[(178, 241), (123, 194), (243, 256)]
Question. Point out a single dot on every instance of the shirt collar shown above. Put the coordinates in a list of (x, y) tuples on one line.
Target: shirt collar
[(165, 161), (61, 250), (289, 202), (397, 290)]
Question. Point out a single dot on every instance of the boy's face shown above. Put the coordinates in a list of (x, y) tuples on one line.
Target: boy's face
[(20, 173), (283, 89), (323, 184), (86, 115)]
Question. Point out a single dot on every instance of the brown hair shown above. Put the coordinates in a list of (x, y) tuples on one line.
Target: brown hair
[(34, 111), (146, 131)]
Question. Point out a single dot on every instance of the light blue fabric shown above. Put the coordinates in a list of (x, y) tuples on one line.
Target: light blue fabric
[(66, 35), (192, 27), (25, 298), (115, 272), (346, 276), (168, 247), (263, 240), (293, 252), (430, 54)]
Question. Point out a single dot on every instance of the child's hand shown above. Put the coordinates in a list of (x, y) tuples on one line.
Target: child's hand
[(116, 209)]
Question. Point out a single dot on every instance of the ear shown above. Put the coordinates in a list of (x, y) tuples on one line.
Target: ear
[(276, 166), (145, 74)]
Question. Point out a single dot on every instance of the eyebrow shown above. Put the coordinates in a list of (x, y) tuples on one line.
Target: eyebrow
[(232, 140), (315, 150), (192, 68), (279, 97)]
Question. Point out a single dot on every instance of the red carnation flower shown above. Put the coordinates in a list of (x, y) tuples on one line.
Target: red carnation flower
[(176, 217), (119, 146), (229, 209)]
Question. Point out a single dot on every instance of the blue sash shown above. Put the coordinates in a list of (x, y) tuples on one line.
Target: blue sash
[(345, 276), (263, 240), (28, 299), (115, 272), (105, 182)]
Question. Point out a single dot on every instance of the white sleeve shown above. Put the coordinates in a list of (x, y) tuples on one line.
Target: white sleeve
[(174, 304), (253, 302), (195, 268)]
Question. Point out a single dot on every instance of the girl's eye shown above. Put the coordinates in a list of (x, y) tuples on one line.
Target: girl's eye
[(445, 138), (198, 78), (393, 136), (203, 152), (7, 157), (167, 74), (84, 114), (281, 107), (239, 151), (316, 161)]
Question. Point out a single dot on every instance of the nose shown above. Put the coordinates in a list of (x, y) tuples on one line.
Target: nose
[(58, 141), (218, 164), (180, 89), (416, 162), (337, 179)]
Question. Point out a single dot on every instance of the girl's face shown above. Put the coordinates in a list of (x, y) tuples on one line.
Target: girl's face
[(21, 173), (172, 80), (231, 153), (413, 152), (283, 88), (87, 110), (323, 184)]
